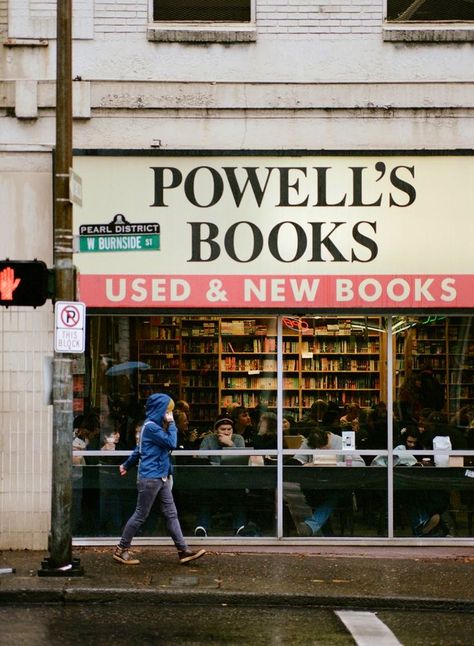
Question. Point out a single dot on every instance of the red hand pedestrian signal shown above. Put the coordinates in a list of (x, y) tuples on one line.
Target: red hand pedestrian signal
[(24, 283), (8, 284)]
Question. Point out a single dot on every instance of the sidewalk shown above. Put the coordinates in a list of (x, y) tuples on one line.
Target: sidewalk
[(356, 577)]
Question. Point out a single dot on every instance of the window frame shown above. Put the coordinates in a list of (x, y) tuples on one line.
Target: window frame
[(426, 31), (202, 31)]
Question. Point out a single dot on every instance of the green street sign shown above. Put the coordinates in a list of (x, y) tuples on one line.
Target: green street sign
[(105, 243)]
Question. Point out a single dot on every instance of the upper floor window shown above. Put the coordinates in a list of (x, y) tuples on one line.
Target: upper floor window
[(202, 10), (430, 10)]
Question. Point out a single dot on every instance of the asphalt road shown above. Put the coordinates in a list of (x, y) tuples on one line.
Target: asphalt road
[(119, 624)]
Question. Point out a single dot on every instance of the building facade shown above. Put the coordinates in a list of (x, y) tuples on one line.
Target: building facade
[(248, 83)]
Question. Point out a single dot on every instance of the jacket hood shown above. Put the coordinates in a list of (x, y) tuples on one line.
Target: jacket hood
[(156, 406)]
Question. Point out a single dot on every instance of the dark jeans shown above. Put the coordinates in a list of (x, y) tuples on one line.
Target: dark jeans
[(148, 490)]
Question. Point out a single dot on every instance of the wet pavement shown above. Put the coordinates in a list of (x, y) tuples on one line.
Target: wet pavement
[(355, 577)]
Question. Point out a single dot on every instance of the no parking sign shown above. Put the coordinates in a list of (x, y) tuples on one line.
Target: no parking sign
[(70, 318)]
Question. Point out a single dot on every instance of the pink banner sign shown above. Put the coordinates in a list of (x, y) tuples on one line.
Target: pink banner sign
[(270, 291)]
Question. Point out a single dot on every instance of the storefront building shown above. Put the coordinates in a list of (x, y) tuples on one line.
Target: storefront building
[(271, 285), (277, 216)]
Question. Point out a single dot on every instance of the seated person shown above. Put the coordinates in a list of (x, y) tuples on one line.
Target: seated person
[(266, 436), (426, 510), (223, 438), (292, 438), (322, 439), (187, 438), (242, 423), (182, 406), (350, 420), (288, 423)]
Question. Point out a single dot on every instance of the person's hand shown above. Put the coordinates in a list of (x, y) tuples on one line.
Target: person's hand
[(225, 439), (123, 470), (193, 435)]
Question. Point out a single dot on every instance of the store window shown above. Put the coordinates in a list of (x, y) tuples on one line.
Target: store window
[(202, 10), (430, 10), (434, 425), (349, 396)]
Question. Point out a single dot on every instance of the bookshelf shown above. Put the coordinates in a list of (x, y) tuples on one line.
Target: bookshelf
[(200, 368), (160, 348), (446, 344), (341, 361), (460, 378), (213, 362), (247, 365)]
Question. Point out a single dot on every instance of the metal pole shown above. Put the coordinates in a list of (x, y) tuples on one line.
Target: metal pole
[(60, 561)]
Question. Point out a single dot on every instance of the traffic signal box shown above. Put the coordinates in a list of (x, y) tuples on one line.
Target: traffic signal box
[(23, 282)]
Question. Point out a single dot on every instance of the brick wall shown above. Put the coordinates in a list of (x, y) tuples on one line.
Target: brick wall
[(293, 17), (313, 17), (120, 17)]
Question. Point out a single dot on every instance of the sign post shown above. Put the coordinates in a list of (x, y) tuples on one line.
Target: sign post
[(60, 561)]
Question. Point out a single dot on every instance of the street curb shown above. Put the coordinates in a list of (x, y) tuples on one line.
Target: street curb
[(205, 597)]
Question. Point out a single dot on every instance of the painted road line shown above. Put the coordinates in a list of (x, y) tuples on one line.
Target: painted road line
[(367, 629)]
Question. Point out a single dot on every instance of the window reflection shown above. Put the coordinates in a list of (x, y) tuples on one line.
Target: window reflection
[(334, 380)]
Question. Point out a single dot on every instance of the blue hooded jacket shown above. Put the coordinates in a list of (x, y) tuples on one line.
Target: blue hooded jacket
[(153, 451)]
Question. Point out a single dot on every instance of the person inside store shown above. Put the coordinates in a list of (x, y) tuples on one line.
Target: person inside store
[(420, 390), (110, 513), (331, 418), (242, 423), (427, 509), (323, 414), (188, 439), (158, 438), (223, 439), (122, 414), (288, 423), (260, 408), (292, 438), (266, 435), (87, 428), (182, 405), (375, 436), (324, 502), (350, 421), (410, 439), (314, 416)]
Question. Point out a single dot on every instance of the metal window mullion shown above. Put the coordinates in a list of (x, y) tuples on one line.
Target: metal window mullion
[(279, 499), (390, 427)]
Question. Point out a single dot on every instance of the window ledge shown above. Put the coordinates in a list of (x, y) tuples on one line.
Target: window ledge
[(423, 32), (198, 32), (25, 42)]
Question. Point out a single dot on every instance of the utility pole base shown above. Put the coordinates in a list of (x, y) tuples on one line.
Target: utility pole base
[(71, 569)]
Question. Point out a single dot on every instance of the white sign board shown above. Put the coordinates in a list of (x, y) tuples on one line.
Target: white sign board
[(297, 231), (70, 321)]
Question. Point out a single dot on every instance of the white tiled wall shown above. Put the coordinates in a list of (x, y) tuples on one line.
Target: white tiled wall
[(25, 428)]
